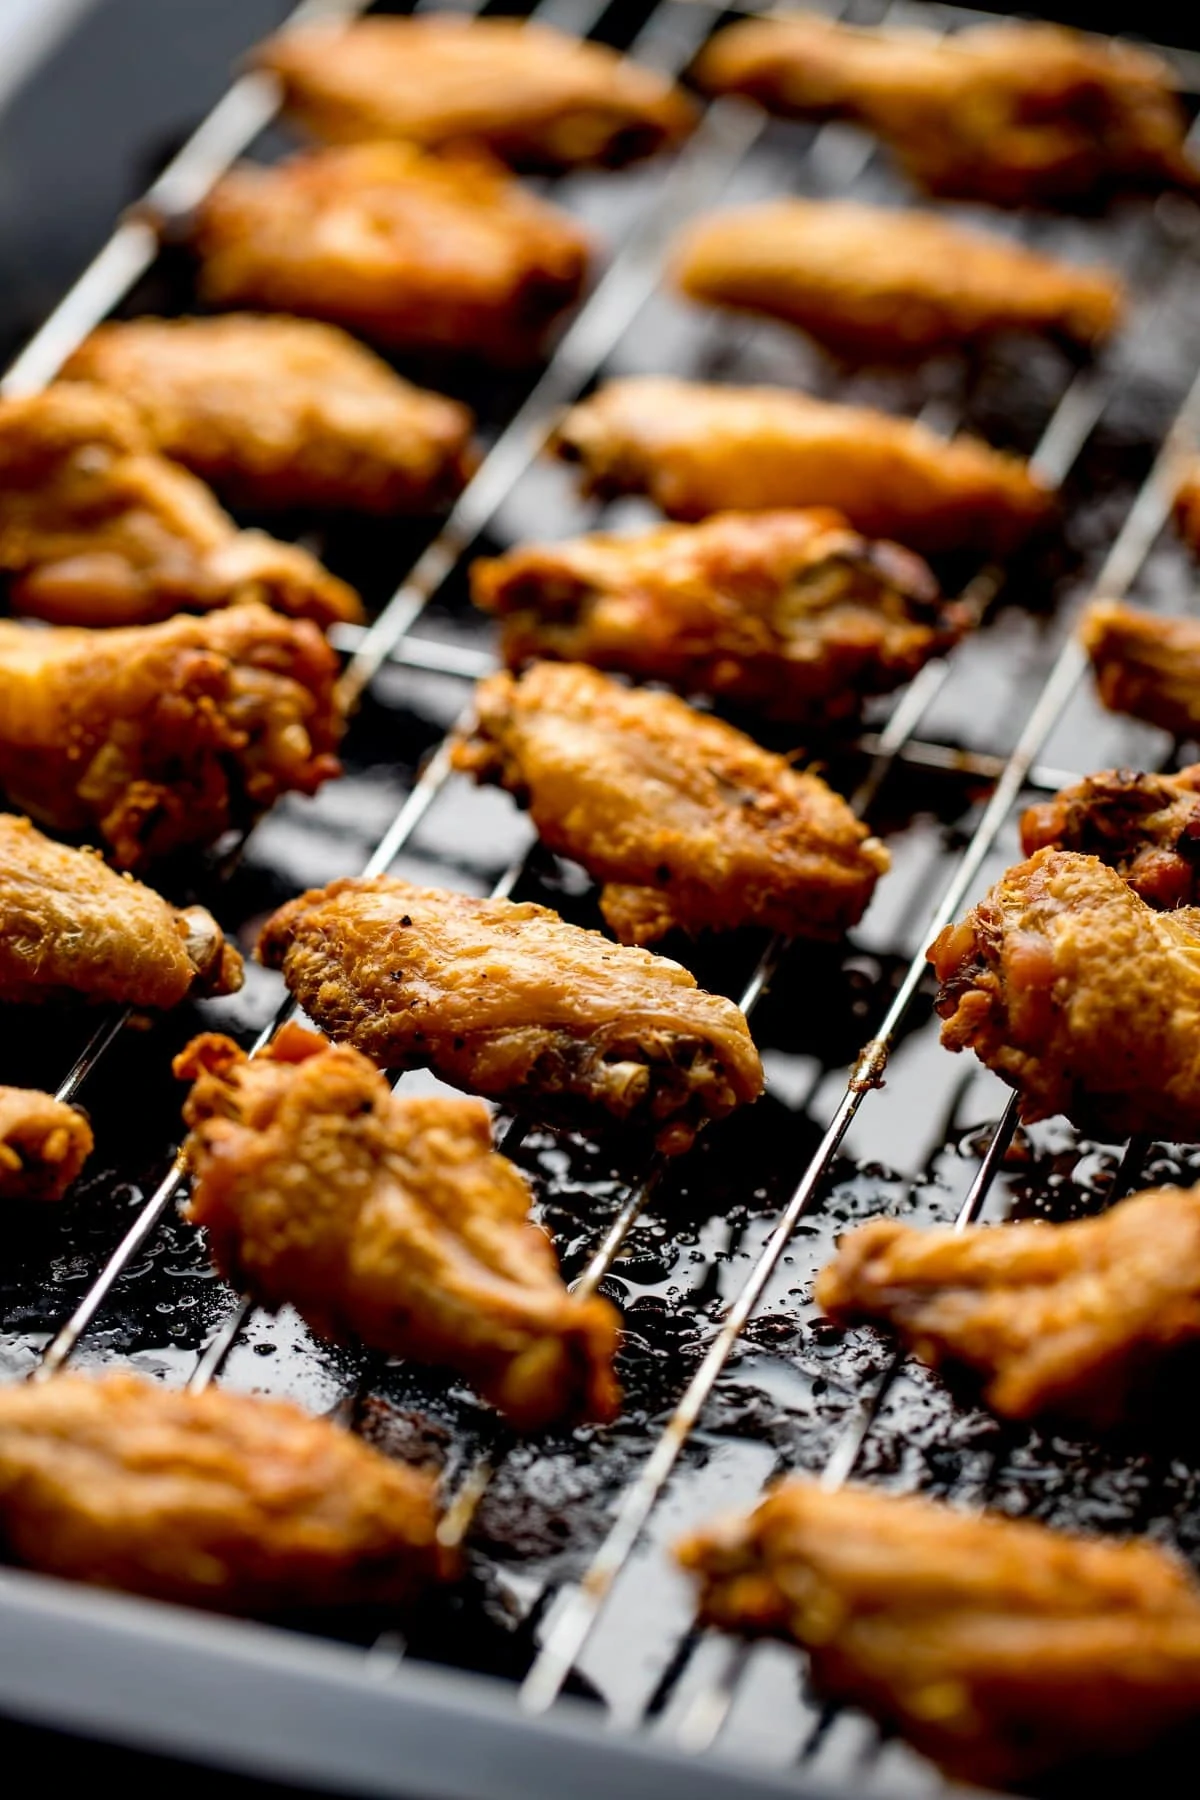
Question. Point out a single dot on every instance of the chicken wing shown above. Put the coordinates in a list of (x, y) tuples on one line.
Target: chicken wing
[(1146, 665), (97, 529), (44, 1144), (688, 822), (791, 614), (390, 1219), (511, 1002), (164, 736), (216, 1499), (1187, 505), (1061, 1319), (696, 450), (416, 251), (532, 95), (1147, 827), (1000, 1648), (1013, 114), (1080, 996), (283, 412), (873, 284), (70, 927)]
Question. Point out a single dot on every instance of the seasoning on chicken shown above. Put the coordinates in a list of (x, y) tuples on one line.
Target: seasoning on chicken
[(70, 927), (686, 821), (96, 528), (1146, 665), (873, 284), (417, 251), (44, 1144), (1080, 996), (283, 412), (1187, 505), (390, 1219), (1013, 114), (511, 1002), (160, 737), (998, 1647), (1147, 827), (218, 1499), (791, 614), (696, 449), (532, 95)]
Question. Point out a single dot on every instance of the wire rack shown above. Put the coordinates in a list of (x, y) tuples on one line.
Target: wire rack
[(729, 1376)]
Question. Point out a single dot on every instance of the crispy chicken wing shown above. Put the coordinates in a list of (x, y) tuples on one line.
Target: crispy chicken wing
[(998, 1647), (792, 614), (512, 1002), (1145, 826), (534, 96), (96, 528), (216, 1499), (696, 450), (687, 821), (164, 736), (283, 412), (1146, 665), (414, 250), (1014, 114), (70, 927), (390, 1219), (1080, 996), (1061, 1319), (44, 1144), (878, 285), (1187, 505)]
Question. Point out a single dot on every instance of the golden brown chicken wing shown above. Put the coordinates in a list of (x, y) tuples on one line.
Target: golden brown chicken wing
[(70, 927), (216, 1499), (873, 284), (388, 1219), (1146, 665), (1014, 114), (534, 96), (792, 614), (44, 1144), (696, 450), (512, 1002), (1187, 505), (688, 822), (164, 736), (414, 250), (98, 529), (283, 412), (1145, 826), (998, 1647), (1080, 996), (1062, 1319)]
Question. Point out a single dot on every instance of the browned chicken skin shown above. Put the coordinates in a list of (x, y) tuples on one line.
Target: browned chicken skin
[(791, 614), (1146, 665), (696, 449), (873, 284), (44, 1144), (414, 250), (1145, 826), (1080, 996), (1061, 1319), (390, 1219), (216, 1499), (1014, 114), (1187, 505), (163, 736), (534, 96), (511, 1002), (70, 927), (687, 821), (1000, 1648), (97, 528), (283, 412)]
